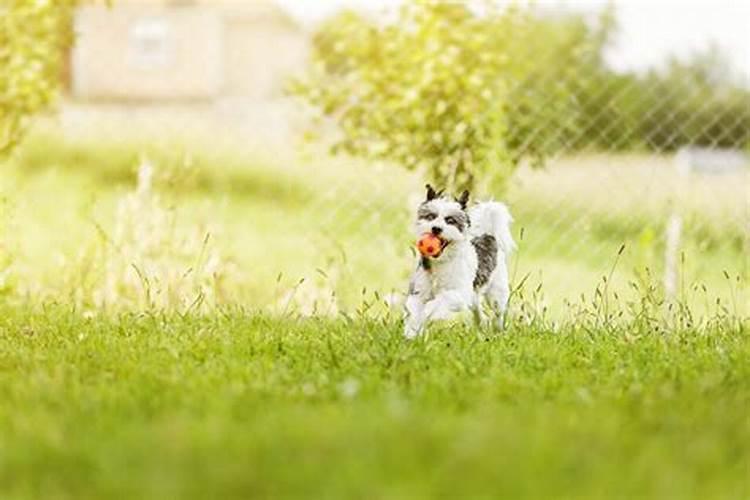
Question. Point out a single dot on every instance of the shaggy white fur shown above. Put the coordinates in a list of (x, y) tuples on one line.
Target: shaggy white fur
[(472, 266)]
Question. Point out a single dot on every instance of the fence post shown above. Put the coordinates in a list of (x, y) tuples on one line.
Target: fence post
[(673, 229)]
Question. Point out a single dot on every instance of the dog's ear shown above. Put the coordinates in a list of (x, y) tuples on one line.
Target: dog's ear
[(463, 200), (431, 193)]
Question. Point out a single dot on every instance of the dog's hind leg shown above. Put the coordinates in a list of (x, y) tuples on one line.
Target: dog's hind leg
[(498, 293), (480, 318)]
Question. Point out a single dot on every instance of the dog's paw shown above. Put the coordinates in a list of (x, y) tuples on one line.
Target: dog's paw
[(411, 330)]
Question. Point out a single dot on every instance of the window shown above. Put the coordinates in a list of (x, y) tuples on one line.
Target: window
[(150, 43)]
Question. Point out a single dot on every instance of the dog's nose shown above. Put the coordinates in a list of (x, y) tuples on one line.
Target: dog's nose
[(437, 230)]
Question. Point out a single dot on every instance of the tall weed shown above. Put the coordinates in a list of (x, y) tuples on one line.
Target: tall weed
[(148, 261)]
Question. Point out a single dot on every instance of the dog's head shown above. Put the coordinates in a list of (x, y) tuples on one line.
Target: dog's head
[(443, 216)]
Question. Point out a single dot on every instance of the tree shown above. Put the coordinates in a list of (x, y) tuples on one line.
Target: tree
[(442, 87), (33, 37)]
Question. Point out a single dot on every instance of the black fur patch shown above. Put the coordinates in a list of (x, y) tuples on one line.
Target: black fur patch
[(426, 213), (458, 219), (425, 263), (486, 248)]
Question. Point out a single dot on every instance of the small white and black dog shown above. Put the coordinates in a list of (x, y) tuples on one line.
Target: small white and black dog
[(472, 265)]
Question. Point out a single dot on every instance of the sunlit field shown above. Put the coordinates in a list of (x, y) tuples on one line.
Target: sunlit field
[(321, 236), (182, 320), (206, 244)]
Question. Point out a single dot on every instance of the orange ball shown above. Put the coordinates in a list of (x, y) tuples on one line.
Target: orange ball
[(429, 245)]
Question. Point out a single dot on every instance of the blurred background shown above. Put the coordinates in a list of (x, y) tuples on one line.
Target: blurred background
[(185, 154)]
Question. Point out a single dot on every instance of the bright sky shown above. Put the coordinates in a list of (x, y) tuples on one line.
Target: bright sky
[(649, 29)]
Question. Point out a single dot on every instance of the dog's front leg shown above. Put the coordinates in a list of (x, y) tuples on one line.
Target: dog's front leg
[(414, 320), (445, 304)]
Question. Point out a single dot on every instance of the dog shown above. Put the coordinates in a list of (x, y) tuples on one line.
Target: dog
[(472, 264)]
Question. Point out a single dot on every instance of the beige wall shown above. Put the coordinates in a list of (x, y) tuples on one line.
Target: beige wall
[(147, 52), (138, 50)]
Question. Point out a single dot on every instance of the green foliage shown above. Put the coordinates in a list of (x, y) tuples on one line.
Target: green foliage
[(694, 102), (699, 102), (33, 37), (447, 89), (465, 95)]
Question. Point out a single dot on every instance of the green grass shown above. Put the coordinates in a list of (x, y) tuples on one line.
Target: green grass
[(573, 402), (237, 405)]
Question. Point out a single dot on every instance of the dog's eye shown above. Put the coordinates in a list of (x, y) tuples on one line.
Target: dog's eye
[(451, 220), (428, 216)]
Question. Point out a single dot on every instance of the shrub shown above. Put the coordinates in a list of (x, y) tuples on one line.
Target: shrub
[(33, 37)]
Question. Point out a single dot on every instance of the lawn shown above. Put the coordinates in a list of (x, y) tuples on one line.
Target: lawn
[(241, 405)]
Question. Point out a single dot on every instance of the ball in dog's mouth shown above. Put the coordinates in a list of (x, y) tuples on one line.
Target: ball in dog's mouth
[(430, 245)]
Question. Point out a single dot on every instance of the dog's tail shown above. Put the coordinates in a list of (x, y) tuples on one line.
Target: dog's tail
[(493, 218)]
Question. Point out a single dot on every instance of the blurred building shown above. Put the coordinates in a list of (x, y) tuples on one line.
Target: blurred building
[(183, 50)]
